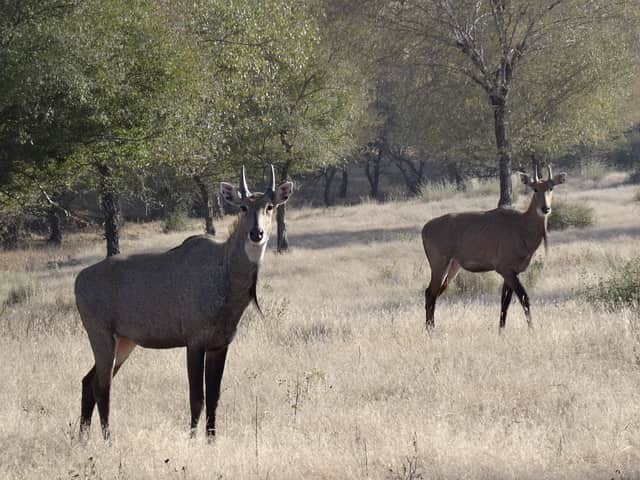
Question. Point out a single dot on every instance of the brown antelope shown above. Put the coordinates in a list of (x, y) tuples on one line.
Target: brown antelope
[(191, 296), (500, 240)]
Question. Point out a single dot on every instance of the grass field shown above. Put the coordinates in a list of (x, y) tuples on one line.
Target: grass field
[(340, 379)]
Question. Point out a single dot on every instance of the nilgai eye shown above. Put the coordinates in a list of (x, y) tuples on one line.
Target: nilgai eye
[(551, 189), (535, 190), (269, 207), (243, 208)]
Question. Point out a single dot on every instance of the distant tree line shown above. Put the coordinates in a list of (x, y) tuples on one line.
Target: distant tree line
[(157, 101)]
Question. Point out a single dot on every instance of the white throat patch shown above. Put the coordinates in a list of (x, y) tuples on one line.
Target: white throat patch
[(255, 251)]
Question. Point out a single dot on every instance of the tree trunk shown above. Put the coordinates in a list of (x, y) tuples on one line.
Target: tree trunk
[(329, 175), (55, 236), (455, 177), (372, 169), (10, 232), (504, 160), (218, 212), (209, 227), (283, 239), (110, 210), (281, 213), (344, 183), (413, 176), (109, 203)]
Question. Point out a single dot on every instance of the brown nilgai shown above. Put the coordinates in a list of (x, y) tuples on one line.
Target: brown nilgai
[(191, 296), (501, 240)]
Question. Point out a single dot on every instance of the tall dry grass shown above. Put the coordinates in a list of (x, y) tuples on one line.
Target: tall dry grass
[(339, 379)]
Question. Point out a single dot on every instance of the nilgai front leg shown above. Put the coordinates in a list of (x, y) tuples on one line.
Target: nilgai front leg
[(214, 368), (505, 302), (195, 369), (512, 281)]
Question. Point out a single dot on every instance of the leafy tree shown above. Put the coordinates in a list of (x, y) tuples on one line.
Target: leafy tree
[(126, 70), (37, 110), (530, 68)]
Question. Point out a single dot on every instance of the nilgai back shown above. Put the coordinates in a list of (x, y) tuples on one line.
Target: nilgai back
[(192, 296)]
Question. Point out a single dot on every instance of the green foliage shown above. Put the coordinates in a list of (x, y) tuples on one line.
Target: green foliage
[(175, 222), (569, 84), (622, 288), (570, 215)]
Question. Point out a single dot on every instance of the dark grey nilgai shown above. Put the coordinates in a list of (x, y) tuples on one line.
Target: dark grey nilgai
[(501, 240), (191, 296)]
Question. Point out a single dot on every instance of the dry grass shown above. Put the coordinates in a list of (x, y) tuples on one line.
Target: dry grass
[(344, 379)]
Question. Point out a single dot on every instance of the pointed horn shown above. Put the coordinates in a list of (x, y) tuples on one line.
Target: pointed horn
[(271, 184), (535, 173), (244, 190), (549, 172)]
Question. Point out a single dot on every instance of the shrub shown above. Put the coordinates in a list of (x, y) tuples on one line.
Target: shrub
[(634, 177), (19, 294), (476, 283), (175, 222), (11, 230), (565, 215), (621, 288)]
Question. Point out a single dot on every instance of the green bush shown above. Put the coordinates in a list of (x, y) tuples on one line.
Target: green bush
[(621, 288), (565, 215), (175, 222)]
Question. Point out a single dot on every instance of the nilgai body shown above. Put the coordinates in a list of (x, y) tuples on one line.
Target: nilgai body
[(501, 240), (192, 296)]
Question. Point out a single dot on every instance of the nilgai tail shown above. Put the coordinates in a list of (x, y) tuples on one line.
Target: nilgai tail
[(191, 296), (500, 240)]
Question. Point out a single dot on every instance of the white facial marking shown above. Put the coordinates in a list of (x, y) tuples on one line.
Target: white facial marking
[(255, 251)]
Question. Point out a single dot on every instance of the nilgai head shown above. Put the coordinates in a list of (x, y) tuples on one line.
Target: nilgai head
[(543, 189), (257, 211)]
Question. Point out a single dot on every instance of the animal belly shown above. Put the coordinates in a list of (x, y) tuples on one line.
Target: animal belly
[(475, 266), (160, 343), (160, 335)]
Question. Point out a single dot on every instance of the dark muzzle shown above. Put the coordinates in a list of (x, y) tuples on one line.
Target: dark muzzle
[(256, 235), (545, 210)]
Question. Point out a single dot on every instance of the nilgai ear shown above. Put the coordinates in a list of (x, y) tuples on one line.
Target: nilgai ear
[(559, 178), (230, 194), (283, 193), (526, 179)]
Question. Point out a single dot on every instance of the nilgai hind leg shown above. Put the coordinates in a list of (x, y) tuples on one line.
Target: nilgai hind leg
[(94, 386), (512, 284), (442, 273)]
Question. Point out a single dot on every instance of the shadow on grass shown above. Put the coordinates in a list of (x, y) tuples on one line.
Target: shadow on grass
[(341, 239)]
